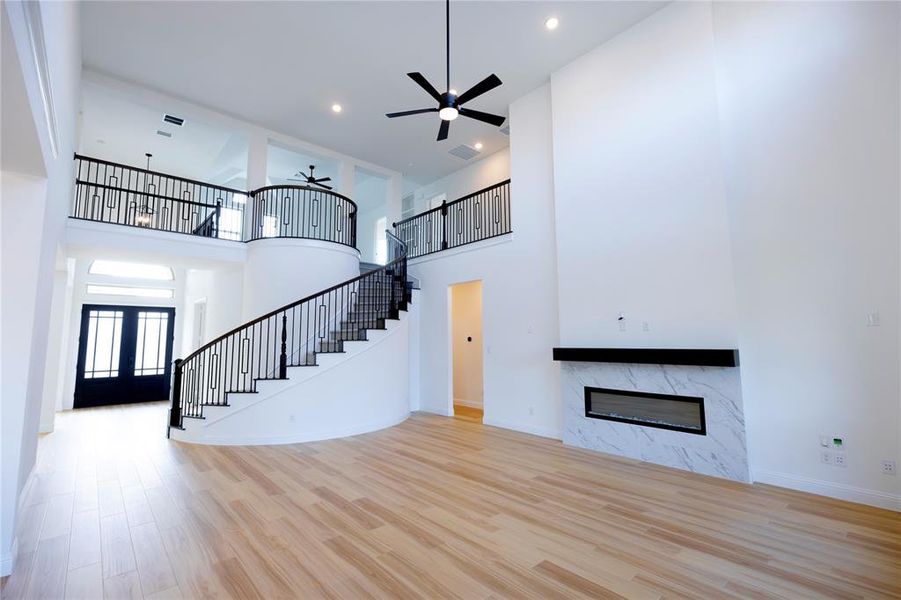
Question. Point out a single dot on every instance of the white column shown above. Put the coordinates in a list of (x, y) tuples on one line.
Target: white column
[(257, 157), (394, 201), (346, 177)]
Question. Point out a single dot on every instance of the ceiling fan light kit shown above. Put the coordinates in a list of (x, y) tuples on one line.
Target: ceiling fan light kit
[(450, 105)]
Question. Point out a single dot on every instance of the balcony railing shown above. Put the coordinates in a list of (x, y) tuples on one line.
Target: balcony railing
[(113, 193), (110, 192), (479, 216), (303, 212)]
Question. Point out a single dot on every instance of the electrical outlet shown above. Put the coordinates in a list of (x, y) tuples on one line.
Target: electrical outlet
[(826, 457), (888, 467), (839, 460), (645, 326)]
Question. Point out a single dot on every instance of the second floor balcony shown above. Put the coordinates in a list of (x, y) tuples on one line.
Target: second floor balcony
[(109, 192)]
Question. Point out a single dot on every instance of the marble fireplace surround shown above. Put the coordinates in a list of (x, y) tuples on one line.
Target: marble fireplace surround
[(711, 374)]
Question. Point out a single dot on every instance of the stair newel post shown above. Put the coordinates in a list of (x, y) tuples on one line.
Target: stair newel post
[(283, 357), (175, 404), (444, 224)]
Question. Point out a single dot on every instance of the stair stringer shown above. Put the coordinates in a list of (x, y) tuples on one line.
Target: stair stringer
[(363, 389)]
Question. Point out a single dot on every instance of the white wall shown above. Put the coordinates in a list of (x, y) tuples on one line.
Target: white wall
[(282, 270), (21, 213), (485, 172), (368, 378), (466, 338), (222, 288), (729, 174), (519, 291), (50, 75), (810, 123), (640, 202)]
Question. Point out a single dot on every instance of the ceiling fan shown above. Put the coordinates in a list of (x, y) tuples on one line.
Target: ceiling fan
[(450, 105), (311, 179)]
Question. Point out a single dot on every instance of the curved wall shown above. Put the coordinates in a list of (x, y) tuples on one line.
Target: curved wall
[(279, 271), (363, 389)]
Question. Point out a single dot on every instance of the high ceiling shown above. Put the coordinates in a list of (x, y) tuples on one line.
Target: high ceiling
[(283, 64)]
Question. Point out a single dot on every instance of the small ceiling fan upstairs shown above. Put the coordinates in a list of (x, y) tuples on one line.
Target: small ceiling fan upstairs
[(311, 179), (450, 105)]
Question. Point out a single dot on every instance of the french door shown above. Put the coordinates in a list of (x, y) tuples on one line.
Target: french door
[(124, 354)]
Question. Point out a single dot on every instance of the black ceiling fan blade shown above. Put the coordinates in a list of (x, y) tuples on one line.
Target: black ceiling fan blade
[(292, 179), (478, 115), (487, 84), (328, 187), (424, 84), (322, 179), (411, 112), (442, 131)]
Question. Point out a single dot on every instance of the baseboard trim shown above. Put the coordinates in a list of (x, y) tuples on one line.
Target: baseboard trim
[(299, 438), (523, 428), (467, 403), (8, 559), (828, 488)]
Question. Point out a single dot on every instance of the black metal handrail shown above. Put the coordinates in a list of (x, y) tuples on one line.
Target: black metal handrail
[(475, 217), (289, 336), (110, 192), (303, 212)]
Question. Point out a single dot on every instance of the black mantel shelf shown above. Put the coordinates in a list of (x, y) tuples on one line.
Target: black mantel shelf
[(701, 357)]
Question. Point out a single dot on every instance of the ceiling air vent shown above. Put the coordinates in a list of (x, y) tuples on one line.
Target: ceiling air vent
[(464, 152), (163, 133), (505, 130), (173, 120)]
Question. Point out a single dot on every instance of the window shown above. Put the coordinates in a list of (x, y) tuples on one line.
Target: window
[(102, 347), (131, 270), (128, 290), (150, 355)]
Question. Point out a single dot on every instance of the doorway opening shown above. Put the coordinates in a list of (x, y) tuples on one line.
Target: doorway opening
[(124, 354), (466, 336)]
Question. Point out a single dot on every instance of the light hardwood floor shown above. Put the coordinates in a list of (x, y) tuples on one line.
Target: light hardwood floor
[(435, 507), (468, 413)]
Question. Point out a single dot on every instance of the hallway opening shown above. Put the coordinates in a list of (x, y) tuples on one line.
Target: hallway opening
[(466, 333)]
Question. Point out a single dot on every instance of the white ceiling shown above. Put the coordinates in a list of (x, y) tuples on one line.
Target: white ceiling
[(283, 64), (118, 129)]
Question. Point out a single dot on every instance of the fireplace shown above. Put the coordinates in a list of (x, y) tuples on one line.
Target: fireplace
[(664, 411)]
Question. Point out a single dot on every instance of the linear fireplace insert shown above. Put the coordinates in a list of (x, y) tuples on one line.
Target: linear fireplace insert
[(666, 411)]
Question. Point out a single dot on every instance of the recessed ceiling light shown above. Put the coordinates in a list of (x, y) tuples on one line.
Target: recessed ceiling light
[(478, 145), (336, 108), (552, 23)]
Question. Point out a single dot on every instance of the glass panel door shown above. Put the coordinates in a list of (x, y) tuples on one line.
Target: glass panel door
[(103, 344), (124, 355)]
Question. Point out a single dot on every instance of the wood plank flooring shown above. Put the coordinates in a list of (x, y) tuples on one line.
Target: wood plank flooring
[(468, 413), (435, 508)]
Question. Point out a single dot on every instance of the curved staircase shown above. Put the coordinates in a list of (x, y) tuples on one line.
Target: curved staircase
[(271, 368)]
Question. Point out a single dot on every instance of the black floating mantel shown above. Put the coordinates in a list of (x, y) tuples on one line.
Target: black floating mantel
[(701, 357)]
